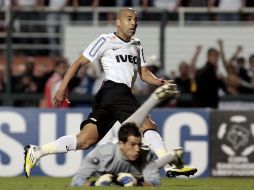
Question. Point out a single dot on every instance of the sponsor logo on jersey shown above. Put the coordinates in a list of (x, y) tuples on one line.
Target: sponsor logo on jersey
[(127, 58), (97, 46)]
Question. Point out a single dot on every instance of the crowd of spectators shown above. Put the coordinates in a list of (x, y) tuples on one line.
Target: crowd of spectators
[(51, 22), (204, 85)]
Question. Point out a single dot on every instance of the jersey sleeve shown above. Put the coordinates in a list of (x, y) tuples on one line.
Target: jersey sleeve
[(87, 169), (150, 171), (142, 57), (95, 49), (94, 163)]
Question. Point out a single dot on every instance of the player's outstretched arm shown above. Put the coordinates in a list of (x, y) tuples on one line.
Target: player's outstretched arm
[(147, 76), (60, 95)]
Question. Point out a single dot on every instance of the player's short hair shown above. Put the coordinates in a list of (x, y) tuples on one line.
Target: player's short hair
[(121, 11), (128, 129)]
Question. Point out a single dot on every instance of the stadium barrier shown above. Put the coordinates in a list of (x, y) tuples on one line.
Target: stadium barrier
[(218, 143)]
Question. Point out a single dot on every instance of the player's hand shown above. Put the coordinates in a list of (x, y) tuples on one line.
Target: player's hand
[(163, 81), (104, 180), (126, 179), (172, 85), (59, 97)]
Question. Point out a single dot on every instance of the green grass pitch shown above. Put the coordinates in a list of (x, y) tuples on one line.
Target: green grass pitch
[(52, 183)]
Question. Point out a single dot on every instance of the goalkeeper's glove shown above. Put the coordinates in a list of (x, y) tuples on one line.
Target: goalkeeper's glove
[(104, 180), (126, 179)]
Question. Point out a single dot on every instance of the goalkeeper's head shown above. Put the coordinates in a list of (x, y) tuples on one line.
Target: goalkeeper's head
[(130, 141)]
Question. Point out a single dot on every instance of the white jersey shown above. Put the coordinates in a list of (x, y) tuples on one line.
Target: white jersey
[(120, 60)]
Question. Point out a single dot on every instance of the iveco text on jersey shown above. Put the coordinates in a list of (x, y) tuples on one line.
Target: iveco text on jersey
[(127, 58)]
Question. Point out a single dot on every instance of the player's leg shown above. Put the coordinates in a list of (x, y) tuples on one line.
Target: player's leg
[(148, 127), (87, 137), (161, 93), (111, 135), (90, 133)]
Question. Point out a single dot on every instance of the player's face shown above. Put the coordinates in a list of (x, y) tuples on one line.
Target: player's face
[(131, 148), (127, 24)]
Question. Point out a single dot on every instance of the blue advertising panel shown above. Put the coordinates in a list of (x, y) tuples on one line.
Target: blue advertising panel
[(19, 127)]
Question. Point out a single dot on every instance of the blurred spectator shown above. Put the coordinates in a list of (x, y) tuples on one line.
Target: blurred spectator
[(233, 80), (229, 5), (27, 85), (53, 84), (24, 81), (241, 69), (41, 75), (238, 79), (186, 79), (183, 80), (250, 86), (187, 72), (208, 83)]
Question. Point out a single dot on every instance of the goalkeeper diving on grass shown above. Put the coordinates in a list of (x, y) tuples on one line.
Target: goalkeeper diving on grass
[(126, 163)]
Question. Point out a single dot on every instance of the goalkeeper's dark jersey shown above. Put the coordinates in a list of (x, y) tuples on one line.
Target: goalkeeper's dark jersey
[(108, 158)]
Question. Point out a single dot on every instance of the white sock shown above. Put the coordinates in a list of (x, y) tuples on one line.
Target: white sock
[(154, 140), (164, 160), (61, 145)]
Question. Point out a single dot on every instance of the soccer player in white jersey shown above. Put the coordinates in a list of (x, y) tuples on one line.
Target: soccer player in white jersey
[(121, 56)]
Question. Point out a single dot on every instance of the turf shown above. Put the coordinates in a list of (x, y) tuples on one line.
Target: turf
[(51, 183)]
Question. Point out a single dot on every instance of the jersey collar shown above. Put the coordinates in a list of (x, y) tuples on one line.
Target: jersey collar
[(121, 38)]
